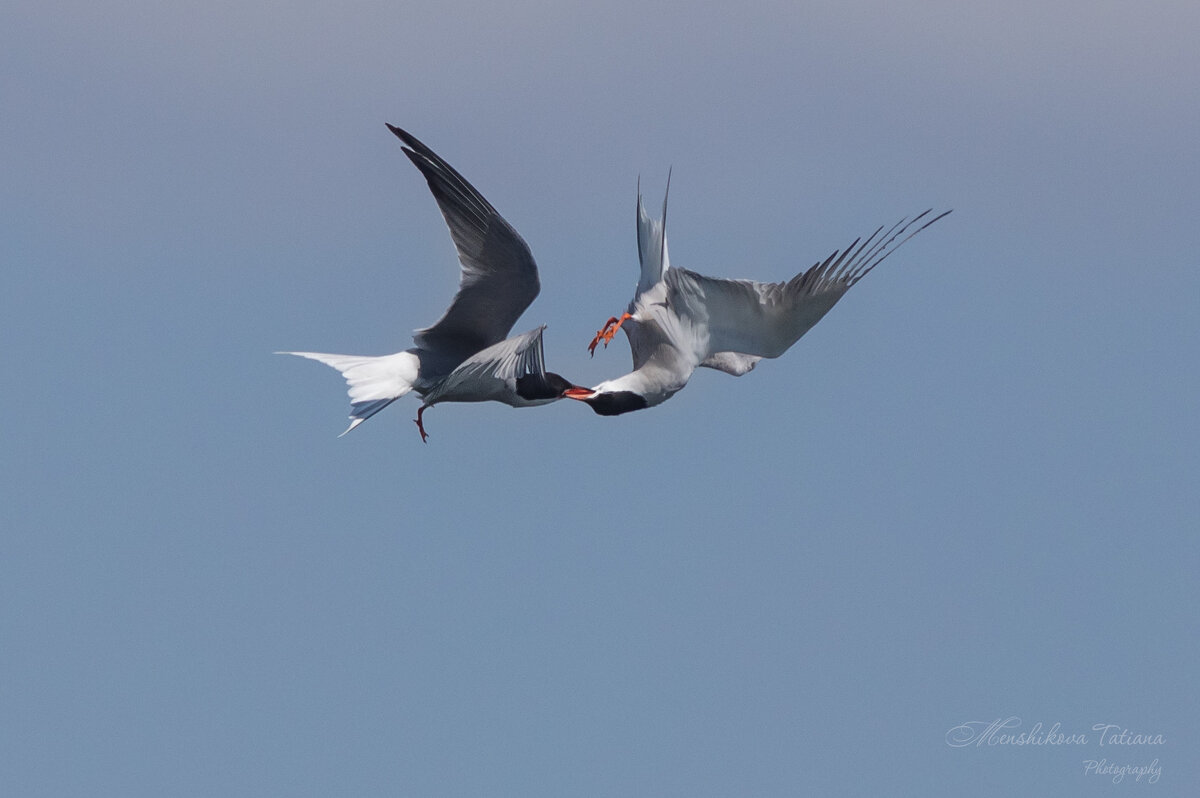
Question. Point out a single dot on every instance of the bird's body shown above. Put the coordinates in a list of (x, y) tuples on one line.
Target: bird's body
[(466, 355), (679, 320)]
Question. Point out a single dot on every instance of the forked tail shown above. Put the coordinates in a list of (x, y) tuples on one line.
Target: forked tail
[(652, 243), (374, 382)]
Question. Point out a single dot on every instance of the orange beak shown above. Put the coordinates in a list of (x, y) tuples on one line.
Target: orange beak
[(581, 394)]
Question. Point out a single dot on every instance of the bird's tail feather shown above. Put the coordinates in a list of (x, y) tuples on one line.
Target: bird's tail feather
[(374, 382), (652, 242)]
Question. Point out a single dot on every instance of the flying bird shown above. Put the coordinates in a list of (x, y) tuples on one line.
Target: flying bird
[(680, 320), (466, 356)]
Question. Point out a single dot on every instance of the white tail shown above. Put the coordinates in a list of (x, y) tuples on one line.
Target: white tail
[(375, 382), (652, 243)]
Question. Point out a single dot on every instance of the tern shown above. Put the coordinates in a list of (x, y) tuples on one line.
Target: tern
[(466, 355), (680, 320)]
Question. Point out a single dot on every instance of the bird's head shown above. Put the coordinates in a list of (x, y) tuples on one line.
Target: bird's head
[(545, 387), (606, 402)]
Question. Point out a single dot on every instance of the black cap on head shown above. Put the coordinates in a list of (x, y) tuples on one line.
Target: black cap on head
[(617, 402), (549, 385)]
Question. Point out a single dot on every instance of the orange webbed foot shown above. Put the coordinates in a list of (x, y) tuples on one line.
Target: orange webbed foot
[(607, 332)]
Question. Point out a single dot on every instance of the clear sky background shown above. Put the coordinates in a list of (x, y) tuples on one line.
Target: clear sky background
[(969, 494)]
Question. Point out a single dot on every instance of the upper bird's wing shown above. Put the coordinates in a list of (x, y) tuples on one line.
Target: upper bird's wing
[(493, 373), (764, 319), (499, 276)]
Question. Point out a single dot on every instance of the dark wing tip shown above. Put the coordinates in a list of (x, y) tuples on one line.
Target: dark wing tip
[(409, 139)]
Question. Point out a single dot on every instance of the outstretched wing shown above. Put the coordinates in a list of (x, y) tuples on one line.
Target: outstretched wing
[(765, 319), (499, 276), (496, 372)]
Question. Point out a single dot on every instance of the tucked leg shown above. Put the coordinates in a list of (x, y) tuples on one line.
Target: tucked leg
[(420, 425)]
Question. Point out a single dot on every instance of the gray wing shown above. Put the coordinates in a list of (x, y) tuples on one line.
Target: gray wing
[(499, 277), (493, 373), (764, 319)]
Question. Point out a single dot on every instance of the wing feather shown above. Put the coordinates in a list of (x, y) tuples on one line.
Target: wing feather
[(499, 277), (765, 319), (492, 373)]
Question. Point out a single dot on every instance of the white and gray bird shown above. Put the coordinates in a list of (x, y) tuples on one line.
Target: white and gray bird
[(466, 356), (680, 320)]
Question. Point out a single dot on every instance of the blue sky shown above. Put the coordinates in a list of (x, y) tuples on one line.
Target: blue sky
[(967, 495)]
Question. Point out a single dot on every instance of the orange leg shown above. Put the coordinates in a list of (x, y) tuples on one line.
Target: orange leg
[(420, 426), (607, 332), (600, 335)]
